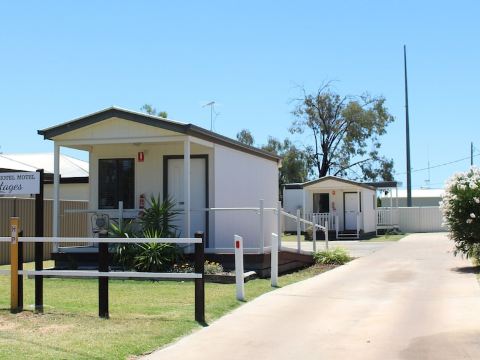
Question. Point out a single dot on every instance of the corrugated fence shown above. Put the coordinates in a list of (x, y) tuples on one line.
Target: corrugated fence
[(420, 219), (72, 224)]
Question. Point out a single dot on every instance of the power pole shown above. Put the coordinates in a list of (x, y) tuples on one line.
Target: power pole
[(407, 130), (471, 153)]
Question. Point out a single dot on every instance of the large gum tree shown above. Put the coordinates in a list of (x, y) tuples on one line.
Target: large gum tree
[(346, 133)]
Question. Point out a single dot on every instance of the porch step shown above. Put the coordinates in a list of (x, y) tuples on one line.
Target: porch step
[(347, 235)]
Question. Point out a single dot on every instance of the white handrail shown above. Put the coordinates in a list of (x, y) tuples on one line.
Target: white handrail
[(108, 240)]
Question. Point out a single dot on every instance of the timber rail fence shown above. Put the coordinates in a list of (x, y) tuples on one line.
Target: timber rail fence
[(103, 273)]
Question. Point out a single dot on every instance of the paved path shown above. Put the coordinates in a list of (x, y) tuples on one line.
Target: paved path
[(355, 248), (410, 300)]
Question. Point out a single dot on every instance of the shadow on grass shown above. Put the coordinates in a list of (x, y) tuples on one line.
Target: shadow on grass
[(467, 269)]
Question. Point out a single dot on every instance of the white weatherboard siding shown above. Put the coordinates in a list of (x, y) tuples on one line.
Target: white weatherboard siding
[(115, 129), (421, 219), (368, 210), (241, 180), (149, 174), (68, 191)]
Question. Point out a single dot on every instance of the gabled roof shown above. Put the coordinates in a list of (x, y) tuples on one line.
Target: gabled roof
[(155, 121), (325, 178)]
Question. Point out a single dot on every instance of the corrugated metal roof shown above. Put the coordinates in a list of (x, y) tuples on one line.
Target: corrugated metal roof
[(69, 166)]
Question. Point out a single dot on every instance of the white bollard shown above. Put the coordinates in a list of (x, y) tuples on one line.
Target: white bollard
[(274, 262), (239, 280), (298, 231)]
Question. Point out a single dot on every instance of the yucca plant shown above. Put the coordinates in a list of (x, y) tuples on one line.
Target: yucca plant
[(159, 217), (154, 257)]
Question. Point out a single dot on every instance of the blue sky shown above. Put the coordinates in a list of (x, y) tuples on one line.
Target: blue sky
[(64, 59)]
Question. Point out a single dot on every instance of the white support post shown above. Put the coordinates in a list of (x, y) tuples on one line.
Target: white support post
[(298, 231), (186, 185), (358, 224), (274, 262), (279, 224), (337, 226), (120, 215), (326, 235), (56, 194), (239, 278), (304, 208), (314, 236), (262, 222)]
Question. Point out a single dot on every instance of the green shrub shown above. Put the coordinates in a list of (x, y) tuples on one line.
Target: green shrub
[(337, 256), (212, 267), (461, 212), (159, 217)]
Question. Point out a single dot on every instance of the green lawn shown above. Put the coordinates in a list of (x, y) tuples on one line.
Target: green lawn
[(145, 315)]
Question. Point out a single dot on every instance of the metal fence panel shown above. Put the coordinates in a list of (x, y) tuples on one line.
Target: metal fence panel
[(72, 225)]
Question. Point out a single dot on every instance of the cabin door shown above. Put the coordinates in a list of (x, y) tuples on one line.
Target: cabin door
[(198, 192), (350, 210)]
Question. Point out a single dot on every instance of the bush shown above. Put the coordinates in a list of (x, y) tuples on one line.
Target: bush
[(461, 211), (337, 256), (212, 267)]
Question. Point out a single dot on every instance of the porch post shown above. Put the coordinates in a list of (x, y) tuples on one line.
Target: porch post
[(304, 206), (56, 194), (186, 184)]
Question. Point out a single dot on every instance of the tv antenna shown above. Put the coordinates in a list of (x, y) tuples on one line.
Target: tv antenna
[(212, 110)]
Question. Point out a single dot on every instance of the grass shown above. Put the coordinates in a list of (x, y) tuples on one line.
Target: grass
[(144, 316), (292, 237), (386, 237)]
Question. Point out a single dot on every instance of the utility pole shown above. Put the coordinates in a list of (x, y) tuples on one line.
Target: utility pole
[(407, 130), (471, 153)]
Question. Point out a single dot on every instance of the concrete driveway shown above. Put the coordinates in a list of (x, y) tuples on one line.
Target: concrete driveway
[(355, 248), (410, 300)]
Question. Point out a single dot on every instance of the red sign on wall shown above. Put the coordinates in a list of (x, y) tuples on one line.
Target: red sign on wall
[(140, 156)]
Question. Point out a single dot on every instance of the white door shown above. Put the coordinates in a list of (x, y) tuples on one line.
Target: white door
[(198, 192), (351, 208)]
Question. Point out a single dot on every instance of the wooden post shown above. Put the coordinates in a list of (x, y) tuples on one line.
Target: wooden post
[(103, 280), (14, 229), (200, 283), (20, 269), (39, 217)]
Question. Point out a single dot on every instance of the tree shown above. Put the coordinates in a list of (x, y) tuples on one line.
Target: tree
[(245, 137), (346, 133), (295, 162), (150, 110)]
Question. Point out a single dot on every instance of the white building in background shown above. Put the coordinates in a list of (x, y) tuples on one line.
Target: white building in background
[(420, 197), (348, 206), (133, 155), (73, 172)]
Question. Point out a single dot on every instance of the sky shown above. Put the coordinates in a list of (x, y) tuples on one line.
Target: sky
[(64, 59)]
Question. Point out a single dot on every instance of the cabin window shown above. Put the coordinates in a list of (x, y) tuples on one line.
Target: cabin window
[(321, 203), (116, 182)]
